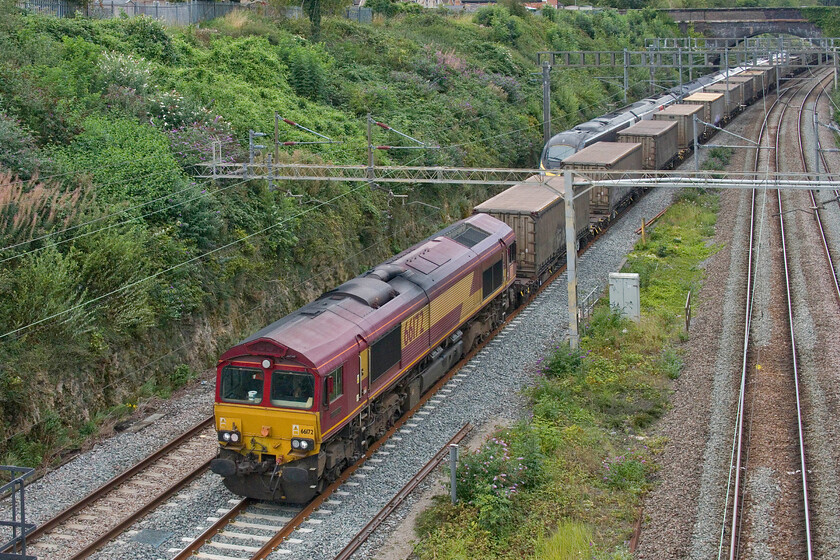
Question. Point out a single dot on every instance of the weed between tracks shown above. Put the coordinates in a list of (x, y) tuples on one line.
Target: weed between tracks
[(569, 481)]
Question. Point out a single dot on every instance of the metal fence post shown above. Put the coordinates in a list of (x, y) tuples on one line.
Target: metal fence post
[(453, 462)]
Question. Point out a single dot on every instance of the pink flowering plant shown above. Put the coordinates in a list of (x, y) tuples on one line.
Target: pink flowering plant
[(627, 471), (504, 466), (492, 478)]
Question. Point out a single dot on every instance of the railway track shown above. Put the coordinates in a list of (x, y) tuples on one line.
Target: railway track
[(259, 529), (770, 458), (84, 527)]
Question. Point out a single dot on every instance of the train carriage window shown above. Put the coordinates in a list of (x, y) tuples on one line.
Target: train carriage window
[(241, 385), (292, 389), (492, 279), (337, 377), (385, 353)]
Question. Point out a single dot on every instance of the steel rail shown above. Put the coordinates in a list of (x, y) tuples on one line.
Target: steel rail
[(115, 482), (137, 515), (192, 548), (398, 499), (738, 443), (789, 297), (822, 158), (739, 427)]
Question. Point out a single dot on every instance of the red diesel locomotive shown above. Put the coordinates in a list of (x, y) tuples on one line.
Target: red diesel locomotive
[(304, 397)]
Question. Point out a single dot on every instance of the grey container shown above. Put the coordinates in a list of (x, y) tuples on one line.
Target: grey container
[(736, 95), (683, 115), (659, 140), (748, 83), (713, 109), (761, 80), (607, 156), (536, 211)]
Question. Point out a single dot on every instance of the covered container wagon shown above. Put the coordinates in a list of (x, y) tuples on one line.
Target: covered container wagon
[(607, 156), (761, 80), (658, 139), (713, 109), (749, 90), (769, 75), (735, 95), (683, 115), (536, 211)]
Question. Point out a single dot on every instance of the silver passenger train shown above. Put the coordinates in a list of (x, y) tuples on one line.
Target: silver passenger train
[(605, 127)]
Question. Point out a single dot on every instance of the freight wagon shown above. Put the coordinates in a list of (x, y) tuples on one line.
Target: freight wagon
[(735, 97), (607, 156), (536, 212), (659, 142), (683, 115), (713, 105), (748, 85)]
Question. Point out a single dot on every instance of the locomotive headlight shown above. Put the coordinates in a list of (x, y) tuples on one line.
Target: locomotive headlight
[(234, 437), (224, 436), (302, 444)]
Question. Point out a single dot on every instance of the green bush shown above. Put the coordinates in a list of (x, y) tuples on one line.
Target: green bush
[(146, 37), (306, 75), (625, 472), (564, 361), (502, 468), (125, 159), (18, 152)]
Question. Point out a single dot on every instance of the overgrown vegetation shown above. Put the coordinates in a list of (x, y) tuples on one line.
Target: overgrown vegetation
[(568, 482), (120, 267)]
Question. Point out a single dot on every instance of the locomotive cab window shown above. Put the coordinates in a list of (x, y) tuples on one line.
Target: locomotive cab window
[(334, 385), (292, 389), (512, 252), (492, 279), (241, 385)]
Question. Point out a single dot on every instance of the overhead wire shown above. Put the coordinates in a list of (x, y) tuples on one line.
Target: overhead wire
[(179, 265), (203, 194)]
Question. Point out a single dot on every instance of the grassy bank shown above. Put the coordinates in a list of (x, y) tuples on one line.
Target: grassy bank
[(568, 482)]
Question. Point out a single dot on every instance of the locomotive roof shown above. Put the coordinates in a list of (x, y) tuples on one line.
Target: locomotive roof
[(532, 196), (320, 333), (648, 128)]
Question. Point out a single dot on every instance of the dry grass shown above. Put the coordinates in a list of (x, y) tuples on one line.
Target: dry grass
[(29, 206)]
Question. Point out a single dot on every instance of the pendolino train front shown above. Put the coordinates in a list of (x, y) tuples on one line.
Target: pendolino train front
[(304, 397)]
